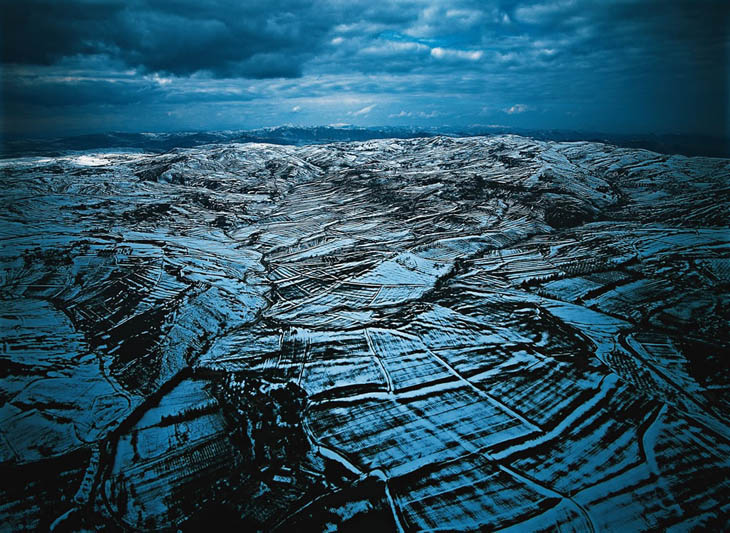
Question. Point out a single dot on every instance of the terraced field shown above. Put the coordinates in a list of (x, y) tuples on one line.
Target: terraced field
[(425, 334)]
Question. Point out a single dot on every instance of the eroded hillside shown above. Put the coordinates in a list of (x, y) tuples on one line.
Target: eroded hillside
[(420, 334)]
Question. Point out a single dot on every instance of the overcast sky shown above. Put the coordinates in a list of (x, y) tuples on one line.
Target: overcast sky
[(621, 66)]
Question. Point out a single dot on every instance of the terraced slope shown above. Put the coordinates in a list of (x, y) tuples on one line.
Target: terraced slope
[(426, 334)]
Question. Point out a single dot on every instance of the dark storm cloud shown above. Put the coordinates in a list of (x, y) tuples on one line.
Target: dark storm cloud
[(633, 65), (252, 39)]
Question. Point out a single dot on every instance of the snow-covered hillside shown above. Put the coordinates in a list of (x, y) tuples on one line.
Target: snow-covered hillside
[(413, 334)]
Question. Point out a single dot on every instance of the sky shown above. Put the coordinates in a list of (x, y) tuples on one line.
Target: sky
[(618, 66)]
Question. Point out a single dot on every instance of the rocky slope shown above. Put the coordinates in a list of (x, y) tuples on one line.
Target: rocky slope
[(419, 334)]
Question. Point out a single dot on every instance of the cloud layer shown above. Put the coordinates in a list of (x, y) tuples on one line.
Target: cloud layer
[(623, 65)]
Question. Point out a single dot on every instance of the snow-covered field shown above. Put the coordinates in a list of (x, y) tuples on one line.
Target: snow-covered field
[(418, 334)]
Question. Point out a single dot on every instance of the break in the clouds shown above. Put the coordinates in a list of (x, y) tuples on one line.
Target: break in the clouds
[(620, 66)]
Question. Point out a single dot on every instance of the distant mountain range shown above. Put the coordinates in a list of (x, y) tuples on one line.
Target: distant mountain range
[(691, 145)]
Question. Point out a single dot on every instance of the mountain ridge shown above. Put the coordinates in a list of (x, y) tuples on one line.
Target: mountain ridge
[(690, 145)]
